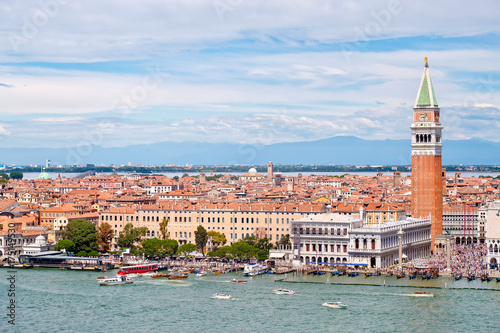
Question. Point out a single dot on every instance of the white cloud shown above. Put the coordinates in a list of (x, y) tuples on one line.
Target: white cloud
[(3, 131)]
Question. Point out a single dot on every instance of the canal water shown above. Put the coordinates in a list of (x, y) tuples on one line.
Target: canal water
[(50, 300)]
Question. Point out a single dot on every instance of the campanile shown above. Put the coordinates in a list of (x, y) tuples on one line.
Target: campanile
[(426, 165)]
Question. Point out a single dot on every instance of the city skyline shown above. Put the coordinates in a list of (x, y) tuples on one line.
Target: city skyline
[(115, 75)]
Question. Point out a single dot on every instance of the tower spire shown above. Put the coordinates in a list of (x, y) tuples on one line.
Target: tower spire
[(426, 96)]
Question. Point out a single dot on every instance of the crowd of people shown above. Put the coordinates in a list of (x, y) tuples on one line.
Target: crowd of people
[(466, 260)]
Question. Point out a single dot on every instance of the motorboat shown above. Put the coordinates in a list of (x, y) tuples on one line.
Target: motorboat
[(283, 292), (335, 305), (422, 294), (115, 281), (201, 274), (221, 296), (178, 276), (238, 281), (253, 269), (159, 276)]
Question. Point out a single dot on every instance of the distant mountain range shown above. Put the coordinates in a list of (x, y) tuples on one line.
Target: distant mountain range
[(340, 150)]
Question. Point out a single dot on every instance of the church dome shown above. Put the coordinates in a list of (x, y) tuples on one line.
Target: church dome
[(40, 240), (252, 171), (43, 175)]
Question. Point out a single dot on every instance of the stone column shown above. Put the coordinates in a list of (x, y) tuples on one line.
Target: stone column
[(400, 235)]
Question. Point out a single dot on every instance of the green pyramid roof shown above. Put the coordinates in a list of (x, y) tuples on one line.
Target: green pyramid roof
[(426, 95)]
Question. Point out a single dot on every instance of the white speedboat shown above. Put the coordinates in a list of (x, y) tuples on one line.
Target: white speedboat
[(283, 292), (335, 305), (221, 296), (201, 274), (115, 281)]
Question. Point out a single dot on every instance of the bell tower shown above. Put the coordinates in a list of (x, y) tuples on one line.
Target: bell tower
[(426, 164)]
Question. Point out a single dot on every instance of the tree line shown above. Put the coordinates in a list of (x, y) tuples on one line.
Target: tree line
[(82, 238)]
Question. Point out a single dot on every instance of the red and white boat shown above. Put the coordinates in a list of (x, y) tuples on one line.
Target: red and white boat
[(238, 281), (139, 269)]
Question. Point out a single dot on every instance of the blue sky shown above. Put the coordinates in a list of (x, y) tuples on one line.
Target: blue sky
[(116, 73)]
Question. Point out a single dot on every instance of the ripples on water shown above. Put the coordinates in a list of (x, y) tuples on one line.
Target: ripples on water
[(68, 301)]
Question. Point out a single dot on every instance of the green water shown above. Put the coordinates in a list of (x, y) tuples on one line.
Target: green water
[(50, 300)]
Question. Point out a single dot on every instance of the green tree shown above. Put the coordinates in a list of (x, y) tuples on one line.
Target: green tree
[(217, 238), (186, 249), (65, 244), (151, 247), (201, 238), (130, 236), (104, 237), (243, 250), (4, 176), (249, 239), (185, 175), (164, 228), (264, 244), (16, 174), (175, 177), (82, 233), (170, 246), (81, 253), (224, 252), (93, 254), (285, 241)]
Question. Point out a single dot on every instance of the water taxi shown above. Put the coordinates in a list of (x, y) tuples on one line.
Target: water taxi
[(221, 296), (115, 281), (283, 292), (335, 305), (422, 294), (238, 281)]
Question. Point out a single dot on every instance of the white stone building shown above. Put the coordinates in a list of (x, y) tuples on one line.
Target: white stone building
[(489, 216), (377, 245), (334, 238)]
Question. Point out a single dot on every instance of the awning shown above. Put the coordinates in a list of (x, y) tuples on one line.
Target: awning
[(276, 255)]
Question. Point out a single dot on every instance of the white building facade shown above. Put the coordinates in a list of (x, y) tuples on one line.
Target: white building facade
[(333, 238)]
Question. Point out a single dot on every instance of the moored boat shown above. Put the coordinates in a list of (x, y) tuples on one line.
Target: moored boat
[(253, 269), (221, 296), (335, 305)]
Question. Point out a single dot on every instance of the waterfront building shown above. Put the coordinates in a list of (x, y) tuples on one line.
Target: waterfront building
[(377, 245), (39, 245), (426, 164), (323, 238), (489, 217), (461, 222), (235, 220), (334, 238)]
